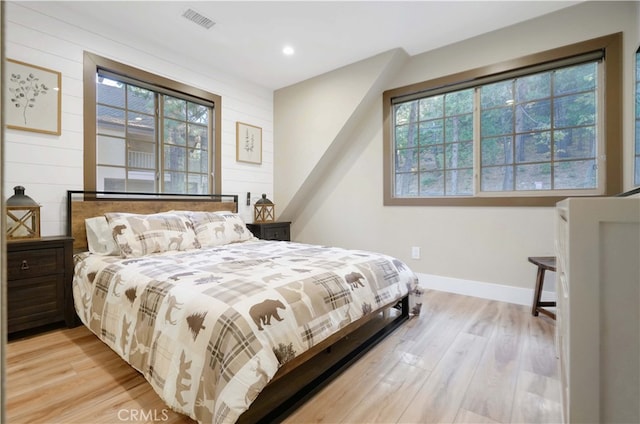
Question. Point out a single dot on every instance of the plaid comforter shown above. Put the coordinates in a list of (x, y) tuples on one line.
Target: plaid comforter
[(209, 328)]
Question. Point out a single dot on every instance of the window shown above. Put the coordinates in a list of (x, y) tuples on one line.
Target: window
[(533, 133), (637, 155), (145, 133)]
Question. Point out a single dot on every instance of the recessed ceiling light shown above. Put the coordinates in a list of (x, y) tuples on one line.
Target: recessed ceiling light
[(288, 50)]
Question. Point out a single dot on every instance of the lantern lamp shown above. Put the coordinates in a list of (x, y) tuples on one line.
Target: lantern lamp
[(23, 216), (264, 210)]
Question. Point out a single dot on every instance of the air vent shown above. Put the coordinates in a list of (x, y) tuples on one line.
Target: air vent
[(194, 16)]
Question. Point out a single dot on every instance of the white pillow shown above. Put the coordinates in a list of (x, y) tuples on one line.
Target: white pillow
[(100, 237)]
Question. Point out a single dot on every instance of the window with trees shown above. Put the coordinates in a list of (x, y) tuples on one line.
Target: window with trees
[(528, 135), (145, 133)]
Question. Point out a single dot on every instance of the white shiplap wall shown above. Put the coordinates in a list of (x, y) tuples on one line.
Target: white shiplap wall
[(48, 166)]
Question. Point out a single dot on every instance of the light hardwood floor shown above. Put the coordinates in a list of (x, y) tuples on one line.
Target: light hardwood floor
[(464, 360)]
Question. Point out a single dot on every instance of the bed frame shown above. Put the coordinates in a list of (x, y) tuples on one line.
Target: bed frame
[(297, 380)]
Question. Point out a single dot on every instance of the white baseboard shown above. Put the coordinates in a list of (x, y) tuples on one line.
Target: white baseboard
[(499, 292)]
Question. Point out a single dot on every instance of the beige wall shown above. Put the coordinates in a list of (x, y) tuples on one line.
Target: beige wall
[(328, 174)]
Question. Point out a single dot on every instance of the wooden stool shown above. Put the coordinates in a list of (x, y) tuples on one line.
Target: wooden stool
[(543, 263)]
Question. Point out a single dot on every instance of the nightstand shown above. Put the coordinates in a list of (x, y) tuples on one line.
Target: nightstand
[(271, 230), (39, 273)]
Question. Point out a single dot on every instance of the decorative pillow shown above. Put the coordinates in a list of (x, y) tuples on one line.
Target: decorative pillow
[(100, 237), (218, 228), (139, 235)]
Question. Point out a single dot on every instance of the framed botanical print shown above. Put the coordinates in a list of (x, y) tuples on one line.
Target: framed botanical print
[(33, 98), (248, 143)]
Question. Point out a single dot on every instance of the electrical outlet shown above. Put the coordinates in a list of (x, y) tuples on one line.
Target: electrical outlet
[(415, 252)]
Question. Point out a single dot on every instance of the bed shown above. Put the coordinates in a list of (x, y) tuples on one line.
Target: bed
[(224, 326)]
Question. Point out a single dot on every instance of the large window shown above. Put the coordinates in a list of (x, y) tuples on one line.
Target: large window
[(144, 133), (537, 131)]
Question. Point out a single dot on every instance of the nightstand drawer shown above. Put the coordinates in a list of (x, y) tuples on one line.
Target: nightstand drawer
[(280, 232), (271, 230), (35, 301), (35, 263)]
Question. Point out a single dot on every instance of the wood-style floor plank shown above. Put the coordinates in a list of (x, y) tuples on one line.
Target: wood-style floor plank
[(464, 360)]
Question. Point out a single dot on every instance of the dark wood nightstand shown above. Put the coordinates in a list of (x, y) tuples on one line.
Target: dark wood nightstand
[(39, 273), (271, 230)]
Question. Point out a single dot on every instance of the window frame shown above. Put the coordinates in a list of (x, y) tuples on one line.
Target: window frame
[(92, 63), (611, 124), (636, 120)]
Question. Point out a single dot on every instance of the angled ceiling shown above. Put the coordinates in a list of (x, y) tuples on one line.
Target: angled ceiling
[(248, 36)]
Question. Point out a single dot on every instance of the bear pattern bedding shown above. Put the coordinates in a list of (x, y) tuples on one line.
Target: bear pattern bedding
[(209, 327)]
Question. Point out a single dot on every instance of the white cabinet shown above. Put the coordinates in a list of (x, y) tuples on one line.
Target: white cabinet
[(598, 312)]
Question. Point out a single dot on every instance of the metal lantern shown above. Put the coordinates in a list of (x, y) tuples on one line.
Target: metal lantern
[(23, 216), (264, 210)]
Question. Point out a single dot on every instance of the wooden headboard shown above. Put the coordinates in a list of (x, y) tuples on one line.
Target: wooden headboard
[(87, 204)]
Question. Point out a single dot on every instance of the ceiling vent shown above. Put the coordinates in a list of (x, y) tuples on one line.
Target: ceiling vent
[(199, 19)]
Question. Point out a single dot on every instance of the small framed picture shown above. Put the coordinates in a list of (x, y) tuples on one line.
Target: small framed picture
[(33, 98), (248, 143)]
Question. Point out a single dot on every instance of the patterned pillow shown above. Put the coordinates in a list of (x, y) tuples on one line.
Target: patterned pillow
[(218, 228), (139, 235)]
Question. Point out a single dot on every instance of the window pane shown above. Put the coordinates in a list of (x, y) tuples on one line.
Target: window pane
[(575, 174), (175, 182), (175, 158), (534, 147), (175, 132), (575, 143), (431, 132), (533, 87), (110, 92), (141, 127), (575, 79), (533, 116), (496, 121), (141, 155), (175, 108), (197, 113), (141, 99), (431, 158), (432, 183), (197, 161), (111, 151), (406, 113), (496, 95), (459, 128), (497, 178), (459, 102), (407, 184), (459, 182), (110, 121), (459, 155), (142, 181), (496, 151), (575, 110), (431, 107), (407, 160), (198, 184), (110, 178), (533, 177)]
